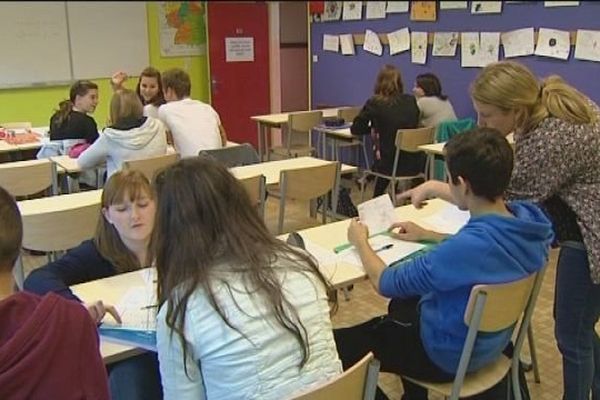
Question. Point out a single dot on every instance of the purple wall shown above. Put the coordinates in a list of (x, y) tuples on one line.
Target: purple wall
[(348, 80)]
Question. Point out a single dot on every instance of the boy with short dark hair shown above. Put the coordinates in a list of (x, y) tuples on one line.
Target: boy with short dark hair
[(423, 333), (48, 345), (193, 125)]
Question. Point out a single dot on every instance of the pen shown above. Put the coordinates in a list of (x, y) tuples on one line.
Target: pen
[(150, 306), (386, 247)]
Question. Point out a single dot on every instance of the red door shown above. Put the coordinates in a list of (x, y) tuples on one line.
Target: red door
[(238, 36)]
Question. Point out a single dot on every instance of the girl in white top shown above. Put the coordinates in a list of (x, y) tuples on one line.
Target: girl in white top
[(435, 107), (148, 89), (242, 315)]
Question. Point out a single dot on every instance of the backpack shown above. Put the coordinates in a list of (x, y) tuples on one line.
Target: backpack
[(345, 205)]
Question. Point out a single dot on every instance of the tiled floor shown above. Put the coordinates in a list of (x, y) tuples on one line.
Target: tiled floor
[(364, 303)]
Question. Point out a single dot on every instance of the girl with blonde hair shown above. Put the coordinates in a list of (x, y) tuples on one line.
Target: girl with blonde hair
[(557, 159)]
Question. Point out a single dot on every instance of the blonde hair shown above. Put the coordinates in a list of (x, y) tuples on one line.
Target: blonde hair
[(125, 105), (509, 85)]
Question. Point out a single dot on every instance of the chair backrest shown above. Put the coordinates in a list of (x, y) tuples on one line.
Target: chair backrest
[(447, 129), (24, 178), (256, 188), (411, 139), (359, 382), (304, 121), (348, 113), (307, 183), (150, 166), (15, 125), (234, 156)]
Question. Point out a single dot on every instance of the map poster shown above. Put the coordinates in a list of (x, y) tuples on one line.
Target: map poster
[(182, 28)]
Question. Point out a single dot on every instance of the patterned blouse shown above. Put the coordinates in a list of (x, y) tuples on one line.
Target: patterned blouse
[(558, 165)]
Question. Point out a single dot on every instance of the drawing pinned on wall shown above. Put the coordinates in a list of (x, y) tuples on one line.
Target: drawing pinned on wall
[(479, 49), (469, 49), (331, 42), (423, 11), (399, 41), (444, 44), (489, 47), (352, 10), (486, 7), (418, 47), (518, 43), (588, 45), (347, 44), (561, 3), (375, 9), (397, 7), (333, 11), (372, 43), (453, 5), (553, 43)]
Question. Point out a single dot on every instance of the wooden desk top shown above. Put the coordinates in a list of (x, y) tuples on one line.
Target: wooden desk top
[(59, 203), (272, 169), (282, 118)]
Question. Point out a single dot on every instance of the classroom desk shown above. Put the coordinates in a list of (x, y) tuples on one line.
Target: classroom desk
[(58, 203), (5, 147), (335, 136), (264, 122)]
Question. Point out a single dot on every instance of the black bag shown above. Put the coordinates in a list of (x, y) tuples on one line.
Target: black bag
[(345, 205)]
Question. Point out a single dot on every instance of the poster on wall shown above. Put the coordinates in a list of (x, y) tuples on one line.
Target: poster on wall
[(418, 47), (347, 44), (333, 11), (553, 43), (423, 11), (331, 43), (444, 44), (588, 45), (182, 28), (397, 7), (399, 41), (486, 7), (372, 43), (453, 5), (239, 49), (375, 9), (352, 10), (561, 3), (518, 43), (479, 49)]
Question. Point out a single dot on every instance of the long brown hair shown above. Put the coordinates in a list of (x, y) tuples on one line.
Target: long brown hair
[(204, 214), (509, 85), (121, 185), (125, 106), (79, 88), (388, 83), (159, 99)]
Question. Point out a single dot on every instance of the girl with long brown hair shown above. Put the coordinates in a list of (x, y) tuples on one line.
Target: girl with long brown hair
[(232, 297), (148, 88)]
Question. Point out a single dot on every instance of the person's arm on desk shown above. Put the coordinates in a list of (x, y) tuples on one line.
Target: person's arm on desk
[(427, 190), (412, 232), (358, 236)]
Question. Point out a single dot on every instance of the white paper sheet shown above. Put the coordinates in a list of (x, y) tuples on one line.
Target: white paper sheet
[(372, 43), (399, 41), (375, 9), (333, 11), (486, 7), (331, 42), (397, 7), (418, 47), (453, 5), (489, 46), (347, 44), (553, 43), (398, 250), (588, 45), (447, 220), (561, 3), (518, 43), (352, 10), (137, 308), (444, 44), (469, 49), (378, 214)]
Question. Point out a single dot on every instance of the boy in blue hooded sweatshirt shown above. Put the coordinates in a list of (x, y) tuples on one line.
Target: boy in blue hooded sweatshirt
[(423, 333)]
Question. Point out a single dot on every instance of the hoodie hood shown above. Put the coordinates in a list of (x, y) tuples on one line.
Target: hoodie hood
[(135, 138)]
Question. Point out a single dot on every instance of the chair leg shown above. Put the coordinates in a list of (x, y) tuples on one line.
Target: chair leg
[(532, 352), (281, 214)]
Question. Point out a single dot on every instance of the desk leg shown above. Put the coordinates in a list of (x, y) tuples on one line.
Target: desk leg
[(431, 172), (260, 140), (73, 183), (323, 145)]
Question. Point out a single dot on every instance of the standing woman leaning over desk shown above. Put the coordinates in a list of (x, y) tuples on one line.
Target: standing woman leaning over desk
[(388, 110), (557, 163), (120, 245)]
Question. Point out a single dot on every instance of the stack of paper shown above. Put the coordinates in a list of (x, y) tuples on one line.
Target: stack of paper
[(447, 220)]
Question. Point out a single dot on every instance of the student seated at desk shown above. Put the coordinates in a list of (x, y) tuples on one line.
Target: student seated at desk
[(48, 345), (434, 106), (148, 89), (120, 245), (130, 136), (193, 125), (242, 314), (423, 334)]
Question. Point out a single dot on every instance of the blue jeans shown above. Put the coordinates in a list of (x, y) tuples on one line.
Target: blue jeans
[(136, 378), (576, 311)]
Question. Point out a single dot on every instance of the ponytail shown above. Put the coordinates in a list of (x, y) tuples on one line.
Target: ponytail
[(64, 109), (79, 88), (565, 102)]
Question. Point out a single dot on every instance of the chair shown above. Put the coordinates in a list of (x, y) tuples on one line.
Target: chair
[(15, 125), (24, 178), (492, 308), (359, 382), (233, 156), (308, 183), (150, 166), (296, 138), (348, 114), (256, 188), (444, 132), (406, 140)]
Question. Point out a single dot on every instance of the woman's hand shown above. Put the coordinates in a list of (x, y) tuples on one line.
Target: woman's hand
[(117, 80), (358, 233), (98, 310)]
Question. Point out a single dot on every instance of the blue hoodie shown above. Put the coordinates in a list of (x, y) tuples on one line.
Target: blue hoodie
[(489, 249)]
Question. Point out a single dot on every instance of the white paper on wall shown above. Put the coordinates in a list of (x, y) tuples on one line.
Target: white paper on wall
[(347, 44), (588, 45), (518, 43), (352, 10), (561, 3), (444, 44), (486, 7), (418, 47), (399, 41), (489, 46), (553, 43), (397, 7), (375, 9), (469, 49), (453, 5), (333, 11), (479, 49), (372, 43), (331, 42)]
